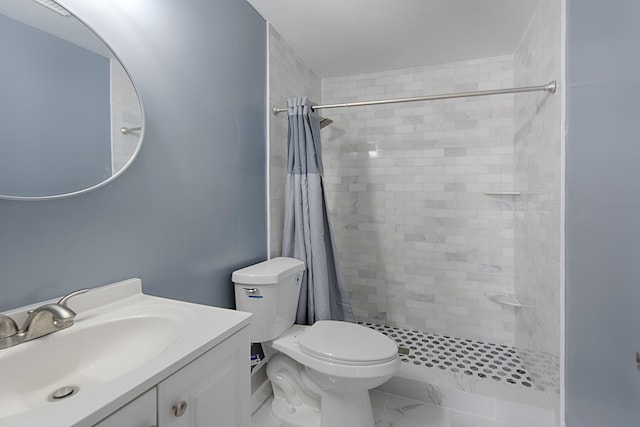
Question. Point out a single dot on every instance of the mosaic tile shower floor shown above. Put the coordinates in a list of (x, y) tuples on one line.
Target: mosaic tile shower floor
[(497, 363)]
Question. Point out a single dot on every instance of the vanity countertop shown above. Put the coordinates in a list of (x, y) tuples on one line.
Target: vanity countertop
[(122, 343)]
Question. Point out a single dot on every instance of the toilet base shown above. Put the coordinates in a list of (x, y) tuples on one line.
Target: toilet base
[(295, 416), (299, 402), (352, 409), (296, 402), (346, 409)]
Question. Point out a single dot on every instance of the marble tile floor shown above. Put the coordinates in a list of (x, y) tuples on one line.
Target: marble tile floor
[(480, 397), (394, 411)]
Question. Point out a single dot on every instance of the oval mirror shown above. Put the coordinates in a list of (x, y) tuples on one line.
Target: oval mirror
[(70, 117)]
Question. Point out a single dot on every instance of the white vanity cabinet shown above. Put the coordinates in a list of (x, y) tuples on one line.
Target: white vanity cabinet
[(141, 412), (211, 391), (132, 358)]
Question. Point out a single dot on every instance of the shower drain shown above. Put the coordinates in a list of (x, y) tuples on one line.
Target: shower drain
[(499, 363), (63, 393)]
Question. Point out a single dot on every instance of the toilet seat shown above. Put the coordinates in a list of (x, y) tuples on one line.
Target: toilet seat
[(347, 343), (289, 344)]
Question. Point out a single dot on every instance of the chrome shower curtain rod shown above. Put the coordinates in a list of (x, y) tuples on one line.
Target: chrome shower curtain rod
[(549, 87)]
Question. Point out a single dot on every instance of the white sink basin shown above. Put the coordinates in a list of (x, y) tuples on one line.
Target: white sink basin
[(81, 356), (121, 344)]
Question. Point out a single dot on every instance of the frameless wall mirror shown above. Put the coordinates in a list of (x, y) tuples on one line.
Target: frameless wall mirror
[(70, 117)]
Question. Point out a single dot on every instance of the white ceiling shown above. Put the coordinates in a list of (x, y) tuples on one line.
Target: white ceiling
[(340, 37)]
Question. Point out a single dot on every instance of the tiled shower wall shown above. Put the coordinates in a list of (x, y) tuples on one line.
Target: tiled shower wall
[(289, 76), (419, 239), (537, 219)]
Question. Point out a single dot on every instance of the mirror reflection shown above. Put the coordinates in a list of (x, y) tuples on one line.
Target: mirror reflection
[(70, 118)]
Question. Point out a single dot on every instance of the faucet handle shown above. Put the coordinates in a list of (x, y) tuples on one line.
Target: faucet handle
[(8, 327), (64, 299)]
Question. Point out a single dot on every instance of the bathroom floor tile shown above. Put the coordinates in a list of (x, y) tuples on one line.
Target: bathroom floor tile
[(395, 411), (401, 412), (460, 419)]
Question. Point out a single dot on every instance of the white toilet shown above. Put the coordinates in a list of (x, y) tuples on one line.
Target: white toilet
[(321, 374)]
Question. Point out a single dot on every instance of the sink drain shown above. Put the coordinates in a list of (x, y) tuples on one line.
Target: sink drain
[(63, 393)]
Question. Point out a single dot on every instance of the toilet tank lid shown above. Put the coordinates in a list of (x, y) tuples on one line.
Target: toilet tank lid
[(268, 272)]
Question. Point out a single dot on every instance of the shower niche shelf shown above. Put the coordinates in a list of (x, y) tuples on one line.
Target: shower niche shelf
[(504, 299), (502, 193)]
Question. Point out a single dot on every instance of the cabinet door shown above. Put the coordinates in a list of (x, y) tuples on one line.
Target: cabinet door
[(141, 412), (212, 391)]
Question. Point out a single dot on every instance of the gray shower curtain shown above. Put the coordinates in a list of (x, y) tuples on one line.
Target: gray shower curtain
[(307, 230)]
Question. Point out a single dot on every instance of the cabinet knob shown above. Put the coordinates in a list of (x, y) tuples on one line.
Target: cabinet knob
[(180, 408)]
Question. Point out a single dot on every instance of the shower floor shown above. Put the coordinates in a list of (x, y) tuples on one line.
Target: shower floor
[(474, 359)]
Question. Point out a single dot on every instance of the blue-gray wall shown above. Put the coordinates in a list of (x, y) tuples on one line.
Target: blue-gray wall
[(603, 213), (54, 114), (191, 208)]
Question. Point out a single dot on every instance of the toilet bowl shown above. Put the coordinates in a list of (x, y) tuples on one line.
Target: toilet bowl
[(321, 374), (337, 362)]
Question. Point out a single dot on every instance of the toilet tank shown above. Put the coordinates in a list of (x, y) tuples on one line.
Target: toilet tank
[(270, 291)]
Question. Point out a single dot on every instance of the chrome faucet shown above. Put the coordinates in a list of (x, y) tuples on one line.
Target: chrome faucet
[(41, 321)]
